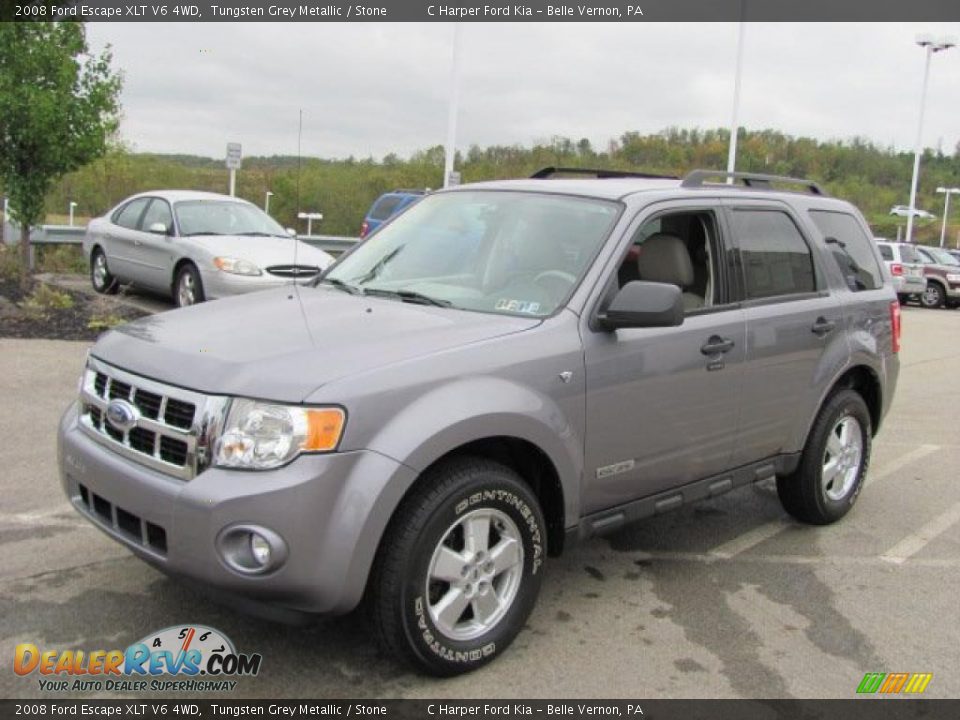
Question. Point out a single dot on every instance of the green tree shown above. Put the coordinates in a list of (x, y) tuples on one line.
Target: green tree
[(58, 107)]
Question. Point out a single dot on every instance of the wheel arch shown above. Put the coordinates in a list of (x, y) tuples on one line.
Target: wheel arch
[(866, 382)]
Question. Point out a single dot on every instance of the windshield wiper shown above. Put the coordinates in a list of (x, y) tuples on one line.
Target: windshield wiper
[(201, 232), (257, 233), (341, 285), (381, 263), (410, 296)]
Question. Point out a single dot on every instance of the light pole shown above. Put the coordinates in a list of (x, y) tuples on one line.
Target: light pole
[(266, 202), (734, 121), (449, 150), (930, 46), (72, 206), (946, 211), (310, 217)]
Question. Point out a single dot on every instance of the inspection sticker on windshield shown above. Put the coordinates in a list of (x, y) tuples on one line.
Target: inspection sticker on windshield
[(519, 306)]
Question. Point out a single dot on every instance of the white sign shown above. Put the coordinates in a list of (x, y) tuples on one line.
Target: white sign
[(234, 156)]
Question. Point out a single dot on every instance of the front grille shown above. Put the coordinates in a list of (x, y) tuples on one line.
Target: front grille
[(130, 526), (294, 271), (172, 429)]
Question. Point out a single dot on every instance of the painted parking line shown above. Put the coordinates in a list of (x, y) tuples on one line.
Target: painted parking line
[(764, 532), (915, 542)]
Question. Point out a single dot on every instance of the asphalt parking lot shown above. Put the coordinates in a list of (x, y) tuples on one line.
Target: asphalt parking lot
[(725, 599)]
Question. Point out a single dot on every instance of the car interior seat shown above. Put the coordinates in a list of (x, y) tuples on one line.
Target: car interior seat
[(665, 258)]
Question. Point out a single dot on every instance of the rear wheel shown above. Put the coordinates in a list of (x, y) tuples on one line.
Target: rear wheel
[(460, 568), (188, 287), (100, 277), (830, 476), (933, 296)]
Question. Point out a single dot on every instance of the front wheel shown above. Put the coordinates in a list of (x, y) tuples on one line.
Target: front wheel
[(460, 567), (933, 296), (187, 286), (834, 463)]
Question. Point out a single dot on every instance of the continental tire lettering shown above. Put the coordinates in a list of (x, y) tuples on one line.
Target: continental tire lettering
[(434, 645), (516, 502)]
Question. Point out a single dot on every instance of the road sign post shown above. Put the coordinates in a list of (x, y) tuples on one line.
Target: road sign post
[(234, 158)]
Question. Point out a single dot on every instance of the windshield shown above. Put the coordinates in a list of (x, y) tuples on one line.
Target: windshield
[(501, 252), (942, 256), (224, 217)]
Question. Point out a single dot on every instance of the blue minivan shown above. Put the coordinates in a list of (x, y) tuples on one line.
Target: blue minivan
[(386, 206)]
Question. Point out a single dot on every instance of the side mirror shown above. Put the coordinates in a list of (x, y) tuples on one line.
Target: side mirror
[(158, 228), (291, 232), (641, 304)]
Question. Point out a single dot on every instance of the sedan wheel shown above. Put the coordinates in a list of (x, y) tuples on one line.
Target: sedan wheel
[(100, 277), (188, 289)]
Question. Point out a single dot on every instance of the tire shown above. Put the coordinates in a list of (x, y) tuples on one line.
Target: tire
[(933, 296), (903, 299), (187, 286), (807, 494), (428, 538), (100, 277)]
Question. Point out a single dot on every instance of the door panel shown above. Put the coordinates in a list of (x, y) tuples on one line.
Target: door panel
[(154, 251), (660, 413), (121, 238)]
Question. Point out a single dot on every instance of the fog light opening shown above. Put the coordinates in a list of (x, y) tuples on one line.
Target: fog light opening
[(251, 549)]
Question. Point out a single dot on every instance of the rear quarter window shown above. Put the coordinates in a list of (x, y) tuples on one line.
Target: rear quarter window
[(385, 207), (850, 248), (886, 252)]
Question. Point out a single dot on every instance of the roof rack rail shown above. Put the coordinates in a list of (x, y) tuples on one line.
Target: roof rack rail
[(696, 178), (549, 172)]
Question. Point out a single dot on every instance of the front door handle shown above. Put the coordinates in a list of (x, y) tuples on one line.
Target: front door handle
[(822, 326), (716, 345)]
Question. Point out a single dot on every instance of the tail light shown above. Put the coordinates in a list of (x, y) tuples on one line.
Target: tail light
[(895, 269), (895, 325), (365, 228)]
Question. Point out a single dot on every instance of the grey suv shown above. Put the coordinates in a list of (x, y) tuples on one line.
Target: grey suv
[(503, 370)]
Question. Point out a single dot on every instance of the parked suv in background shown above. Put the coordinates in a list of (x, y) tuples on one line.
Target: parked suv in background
[(906, 268), (942, 271), (386, 206), (424, 431)]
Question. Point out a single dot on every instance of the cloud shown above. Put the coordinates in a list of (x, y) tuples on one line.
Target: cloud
[(372, 89)]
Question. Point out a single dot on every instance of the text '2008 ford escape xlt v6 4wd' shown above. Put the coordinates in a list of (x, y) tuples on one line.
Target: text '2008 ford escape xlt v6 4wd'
[(503, 369)]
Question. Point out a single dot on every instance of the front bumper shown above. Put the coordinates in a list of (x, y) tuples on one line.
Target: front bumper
[(218, 284), (330, 510)]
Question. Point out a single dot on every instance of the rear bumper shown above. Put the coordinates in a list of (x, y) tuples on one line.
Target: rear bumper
[(330, 511), (909, 286)]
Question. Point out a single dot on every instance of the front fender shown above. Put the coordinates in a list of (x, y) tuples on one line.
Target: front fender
[(471, 409)]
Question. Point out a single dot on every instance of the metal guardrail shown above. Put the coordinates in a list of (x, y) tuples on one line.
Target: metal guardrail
[(73, 235)]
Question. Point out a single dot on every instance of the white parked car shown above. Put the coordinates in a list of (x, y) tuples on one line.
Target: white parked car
[(905, 267), (904, 211), (195, 246)]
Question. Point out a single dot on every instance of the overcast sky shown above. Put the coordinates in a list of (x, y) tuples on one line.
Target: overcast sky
[(373, 89)]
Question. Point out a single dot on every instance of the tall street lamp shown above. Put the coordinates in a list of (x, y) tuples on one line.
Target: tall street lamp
[(449, 149), (930, 47), (734, 119), (266, 202), (946, 210)]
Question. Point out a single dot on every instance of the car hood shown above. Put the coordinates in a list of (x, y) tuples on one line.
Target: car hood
[(283, 344), (262, 251)]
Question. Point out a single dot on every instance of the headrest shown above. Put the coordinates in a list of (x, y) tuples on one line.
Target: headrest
[(664, 258)]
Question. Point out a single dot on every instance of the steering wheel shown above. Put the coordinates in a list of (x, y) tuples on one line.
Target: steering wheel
[(558, 282)]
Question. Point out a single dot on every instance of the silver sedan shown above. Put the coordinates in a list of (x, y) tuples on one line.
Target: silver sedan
[(195, 246)]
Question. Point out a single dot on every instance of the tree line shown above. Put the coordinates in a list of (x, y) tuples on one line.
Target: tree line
[(871, 177)]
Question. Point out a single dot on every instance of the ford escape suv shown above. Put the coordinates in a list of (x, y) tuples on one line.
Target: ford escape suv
[(421, 430)]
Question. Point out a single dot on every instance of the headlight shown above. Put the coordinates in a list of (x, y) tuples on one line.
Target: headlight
[(236, 266), (953, 277), (260, 436)]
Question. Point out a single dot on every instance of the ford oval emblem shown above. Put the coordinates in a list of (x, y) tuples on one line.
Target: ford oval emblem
[(122, 415)]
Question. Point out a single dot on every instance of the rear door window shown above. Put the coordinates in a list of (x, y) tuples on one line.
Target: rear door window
[(776, 259), (850, 248)]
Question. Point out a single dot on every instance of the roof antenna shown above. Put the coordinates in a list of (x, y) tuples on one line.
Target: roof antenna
[(296, 240)]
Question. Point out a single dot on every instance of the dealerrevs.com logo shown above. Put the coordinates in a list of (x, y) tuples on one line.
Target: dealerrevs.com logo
[(182, 658)]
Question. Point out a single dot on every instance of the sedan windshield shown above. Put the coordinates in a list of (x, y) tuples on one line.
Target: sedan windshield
[(493, 251), (224, 217)]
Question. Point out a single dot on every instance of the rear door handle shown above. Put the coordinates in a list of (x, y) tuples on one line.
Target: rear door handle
[(822, 326), (716, 345)]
